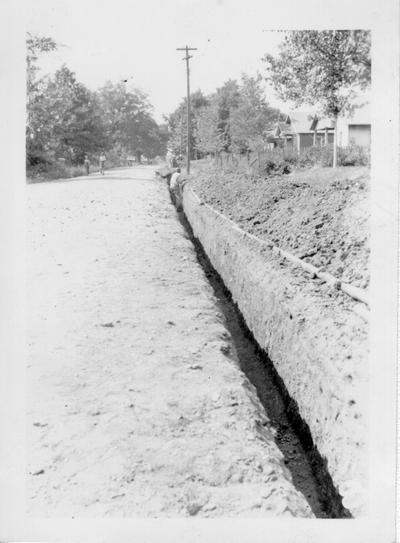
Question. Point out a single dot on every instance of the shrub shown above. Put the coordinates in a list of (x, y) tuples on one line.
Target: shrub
[(353, 155), (277, 162), (53, 170), (281, 161)]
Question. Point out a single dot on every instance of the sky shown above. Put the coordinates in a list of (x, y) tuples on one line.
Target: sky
[(137, 40)]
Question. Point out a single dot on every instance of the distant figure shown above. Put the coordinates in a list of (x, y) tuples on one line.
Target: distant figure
[(102, 162), (87, 164)]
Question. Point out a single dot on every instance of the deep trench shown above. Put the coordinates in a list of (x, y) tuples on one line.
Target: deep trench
[(292, 435)]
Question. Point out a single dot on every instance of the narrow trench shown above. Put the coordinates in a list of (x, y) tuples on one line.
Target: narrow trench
[(308, 469)]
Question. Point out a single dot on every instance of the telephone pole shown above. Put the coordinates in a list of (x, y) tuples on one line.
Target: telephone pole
[(187, 57)]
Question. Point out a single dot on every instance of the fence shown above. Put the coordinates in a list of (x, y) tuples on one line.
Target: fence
[(253, 161), (283, 160)]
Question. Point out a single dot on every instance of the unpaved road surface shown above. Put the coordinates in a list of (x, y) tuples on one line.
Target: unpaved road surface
[(136, 404)]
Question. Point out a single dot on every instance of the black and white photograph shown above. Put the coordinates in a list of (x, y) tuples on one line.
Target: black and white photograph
[(202, 287)]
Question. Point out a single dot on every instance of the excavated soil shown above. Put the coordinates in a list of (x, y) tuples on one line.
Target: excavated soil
[(319, 215), (312, 333)]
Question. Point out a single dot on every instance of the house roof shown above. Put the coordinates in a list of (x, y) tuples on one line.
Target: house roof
[(300, 121), (323, 122), (360, 115), (281, 127)]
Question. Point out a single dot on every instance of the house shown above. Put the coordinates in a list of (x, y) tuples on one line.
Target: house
[(355, 128), (323, 131), (299, 131)]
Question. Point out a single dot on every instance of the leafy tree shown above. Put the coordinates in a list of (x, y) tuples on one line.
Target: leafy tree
[(327, 68), (35, 46), (69, 123), (252, 117), (228, 99), (130, 125), (208, 134), (177, 123), (63, 116)]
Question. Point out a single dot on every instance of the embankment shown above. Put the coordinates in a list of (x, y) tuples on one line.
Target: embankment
[(316, 341)]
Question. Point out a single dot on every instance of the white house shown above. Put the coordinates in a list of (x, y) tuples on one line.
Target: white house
[(299, 130), (355, 128), (302, 129)]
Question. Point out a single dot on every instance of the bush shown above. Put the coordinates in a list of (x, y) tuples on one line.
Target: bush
[(281, 161), (353, 155), (278, 162), (315, 156), (53, 170)]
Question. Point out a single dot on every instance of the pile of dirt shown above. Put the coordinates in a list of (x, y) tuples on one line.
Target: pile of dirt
[(320, 215)]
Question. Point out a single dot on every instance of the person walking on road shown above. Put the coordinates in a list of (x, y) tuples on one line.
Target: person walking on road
[(102, 162), (87, 164)]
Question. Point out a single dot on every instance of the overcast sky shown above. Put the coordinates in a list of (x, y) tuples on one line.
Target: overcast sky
[(122, 39)]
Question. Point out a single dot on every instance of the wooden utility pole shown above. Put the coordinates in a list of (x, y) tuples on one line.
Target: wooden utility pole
[(187, 57)]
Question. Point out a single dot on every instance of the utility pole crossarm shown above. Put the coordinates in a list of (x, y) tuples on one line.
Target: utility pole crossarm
[(186, 58)]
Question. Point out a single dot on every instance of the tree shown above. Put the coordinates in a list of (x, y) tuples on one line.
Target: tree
[(35, 46), (208, 134), (177, 123), (227, 99), (327, 68), (66, 120), (129, 122), (252, 117), (69, 122)]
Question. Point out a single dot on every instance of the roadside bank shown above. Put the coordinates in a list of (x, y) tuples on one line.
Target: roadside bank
[(311, 333)]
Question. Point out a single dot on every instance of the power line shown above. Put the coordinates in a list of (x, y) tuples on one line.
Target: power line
[(187, 57)]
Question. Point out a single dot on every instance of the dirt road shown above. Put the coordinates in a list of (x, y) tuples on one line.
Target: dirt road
[(136, 405)]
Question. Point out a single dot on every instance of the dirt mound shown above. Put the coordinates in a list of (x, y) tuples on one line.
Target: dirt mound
[(320, 215)]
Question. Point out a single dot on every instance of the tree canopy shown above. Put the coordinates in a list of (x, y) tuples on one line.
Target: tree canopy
[(35, 46), (227, 99), (235, 117), (326, 68), (177, 122), (208, 134), (67, 120), (252, 117), (128, 120)]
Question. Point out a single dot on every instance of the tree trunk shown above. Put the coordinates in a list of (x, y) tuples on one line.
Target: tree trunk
[(335, 142)]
